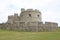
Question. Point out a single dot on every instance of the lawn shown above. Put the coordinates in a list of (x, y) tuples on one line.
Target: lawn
[(14, 35)]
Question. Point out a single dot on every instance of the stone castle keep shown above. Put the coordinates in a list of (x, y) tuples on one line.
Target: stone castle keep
[(28, 20)]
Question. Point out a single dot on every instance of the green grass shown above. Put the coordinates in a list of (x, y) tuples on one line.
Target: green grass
[(14, 35)]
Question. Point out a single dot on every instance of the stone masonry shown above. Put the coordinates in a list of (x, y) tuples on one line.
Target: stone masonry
[(29, 20)]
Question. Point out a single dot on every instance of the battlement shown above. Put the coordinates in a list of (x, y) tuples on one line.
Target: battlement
[(29, 10), (50, 23), (11, 16), (16, 14)]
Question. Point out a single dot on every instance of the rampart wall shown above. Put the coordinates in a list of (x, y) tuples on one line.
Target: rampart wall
[(32, 26)]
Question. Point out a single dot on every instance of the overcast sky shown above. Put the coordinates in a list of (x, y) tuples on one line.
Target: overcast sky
[(50, 9)]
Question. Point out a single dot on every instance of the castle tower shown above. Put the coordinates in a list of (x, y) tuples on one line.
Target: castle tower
[(30, 15)]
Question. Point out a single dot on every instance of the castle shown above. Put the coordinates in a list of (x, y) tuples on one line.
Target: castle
[(28, 20)]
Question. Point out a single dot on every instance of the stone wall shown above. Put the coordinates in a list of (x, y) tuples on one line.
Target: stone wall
[(32, 26), (51, 26)]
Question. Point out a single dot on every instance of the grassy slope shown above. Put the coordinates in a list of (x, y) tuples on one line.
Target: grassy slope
[(10, 35)]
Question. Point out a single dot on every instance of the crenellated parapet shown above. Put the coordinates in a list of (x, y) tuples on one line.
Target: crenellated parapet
[(30, 10)]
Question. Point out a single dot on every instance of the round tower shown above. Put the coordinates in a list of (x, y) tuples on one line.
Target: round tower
[(30, 15)]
